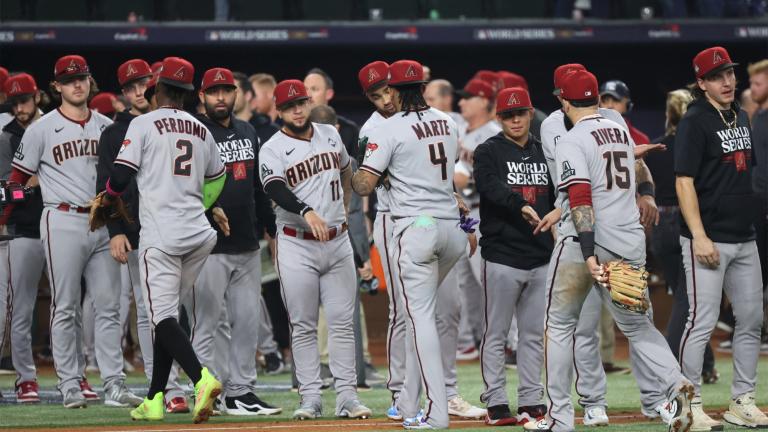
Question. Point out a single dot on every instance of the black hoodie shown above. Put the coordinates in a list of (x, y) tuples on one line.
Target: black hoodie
[(508, 178), (719, 159), (109, 146), (25, 218), (242, 199)]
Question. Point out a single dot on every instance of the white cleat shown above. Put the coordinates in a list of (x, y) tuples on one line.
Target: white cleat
[(460, 408), (595, 416)]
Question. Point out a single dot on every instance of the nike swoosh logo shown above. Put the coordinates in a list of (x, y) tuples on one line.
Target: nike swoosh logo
[(526, 158), (59, 129), (289, 152), (230, 136)]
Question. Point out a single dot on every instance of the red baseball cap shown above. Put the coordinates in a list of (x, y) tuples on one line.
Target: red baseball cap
[(513, 99), (3, 76), (177, 72), (133, 70), (70, 66), (156, 66), (511, 79), (217, 77), (289, 91), (490, 77), (579, 85), (561, 72), (373, 75), (404, 72), (150, 90), (712, 60), (102, 103), (477, 87), (20, 85)]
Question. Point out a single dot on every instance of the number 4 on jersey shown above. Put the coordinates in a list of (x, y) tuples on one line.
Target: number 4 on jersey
[(437, 157)]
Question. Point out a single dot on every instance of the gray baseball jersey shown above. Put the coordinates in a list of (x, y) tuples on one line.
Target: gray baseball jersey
[(382, 195), (171, 149), (310, 169), (599, 152), (420, 152), (469, 141), (63, 152)]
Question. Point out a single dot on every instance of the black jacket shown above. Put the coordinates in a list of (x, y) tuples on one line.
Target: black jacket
[(719, 159), (662, 166), (242, 199), (109, 146), (349, 133), (25, 219), (508, 178), (263, 125)]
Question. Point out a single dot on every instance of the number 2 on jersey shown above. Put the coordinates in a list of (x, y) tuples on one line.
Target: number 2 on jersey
[(182, 165), (616, 159), (437, 157)]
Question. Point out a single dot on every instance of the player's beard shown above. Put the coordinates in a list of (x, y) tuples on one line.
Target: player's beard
[(298, 130), (217, 114)]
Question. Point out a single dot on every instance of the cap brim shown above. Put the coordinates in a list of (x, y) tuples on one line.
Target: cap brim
[(612, 94), (376, 86), (464, 94), (66, 77), (185, 86), (133, 80), (232, 86), (402, 84), (509, 110), (556, 92), (720, 68), (298, 99)]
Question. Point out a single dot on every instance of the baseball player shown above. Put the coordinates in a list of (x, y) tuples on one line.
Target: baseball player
[(418, 146), (305, 170), (713, 152), (6, 116), (61, 149), (26, 258), (512, 179), (133, 77), (599, 223), (170, 153), (591, 381), (229, 285), (477, 105)]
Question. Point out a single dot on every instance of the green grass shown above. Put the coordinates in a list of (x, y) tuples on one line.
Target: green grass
[(622, 396)]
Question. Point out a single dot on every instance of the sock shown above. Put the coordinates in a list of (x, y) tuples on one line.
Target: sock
[(176, 344), (162, 363)]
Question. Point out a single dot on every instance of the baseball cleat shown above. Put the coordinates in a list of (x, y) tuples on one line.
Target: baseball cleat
[(27, 392), (308, 411), (118, 395), (206, 391), (701, 421), (87, 390), (499, 415), (538, 425), (665, 411), (418, 422), (460, 408), (177, 405), (711, 376), (683, 417), (743, 412), (468, 354), (74, 398), (531, 413), (273, 364), (150, 409), (355, 410), (394, 414), (249, 405), (595, 416)]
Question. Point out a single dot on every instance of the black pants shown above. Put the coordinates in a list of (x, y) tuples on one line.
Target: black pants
[(666, 247)]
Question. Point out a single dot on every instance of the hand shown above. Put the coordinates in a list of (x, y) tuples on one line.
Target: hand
[(119, 246), (463, 209), (649, 213), (472, 237), (221, 220), (366, 271), (530, 215), (597, 270), (548, 221), (33, 182), (643, 149), (706, 252), (317, 224)]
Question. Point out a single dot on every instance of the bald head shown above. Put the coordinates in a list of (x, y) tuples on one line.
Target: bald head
[(439, 95), (323, 114)]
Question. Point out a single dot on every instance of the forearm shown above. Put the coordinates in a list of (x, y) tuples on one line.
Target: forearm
[(364, 182), (689, 205), (643, 178), (120, 179), (279, 193), (583, 216), (346, 186), (19, 177)]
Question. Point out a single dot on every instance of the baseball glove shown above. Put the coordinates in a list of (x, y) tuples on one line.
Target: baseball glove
[(105, 208), (628, 286)]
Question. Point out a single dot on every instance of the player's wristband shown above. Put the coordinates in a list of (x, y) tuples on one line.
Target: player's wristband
[(646, 188), (587, 243), (306, 210)]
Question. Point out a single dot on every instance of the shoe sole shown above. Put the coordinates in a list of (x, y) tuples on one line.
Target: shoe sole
[(305, 416), (734, 420), (28, 400), (261, 412), (397, 418), (683, 421), (76, 405), (206, 411), (116, 404), (349, 415), (501, 422), (596, 424), (466, 417)]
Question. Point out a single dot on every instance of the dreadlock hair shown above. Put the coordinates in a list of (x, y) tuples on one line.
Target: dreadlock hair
[(412, 99)]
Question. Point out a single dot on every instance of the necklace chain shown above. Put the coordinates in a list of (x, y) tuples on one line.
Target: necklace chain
[(729, 125)]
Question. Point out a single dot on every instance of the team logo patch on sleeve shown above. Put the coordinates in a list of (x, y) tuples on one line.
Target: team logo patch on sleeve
[(19, 153), (370, 148), (567, 171), (265, 171), (126, 142)]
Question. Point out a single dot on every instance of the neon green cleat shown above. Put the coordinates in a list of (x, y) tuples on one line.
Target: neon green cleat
[(150, 409), (206, 392)]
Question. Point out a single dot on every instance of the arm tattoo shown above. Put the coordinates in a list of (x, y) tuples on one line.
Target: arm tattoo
[(583, 218), (364, 182), (642, 172)]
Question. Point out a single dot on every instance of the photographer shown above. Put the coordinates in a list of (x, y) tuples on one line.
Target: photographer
[(26, 257)]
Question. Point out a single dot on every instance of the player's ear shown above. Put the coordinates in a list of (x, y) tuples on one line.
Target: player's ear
[(329, 93), (201, 96)]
